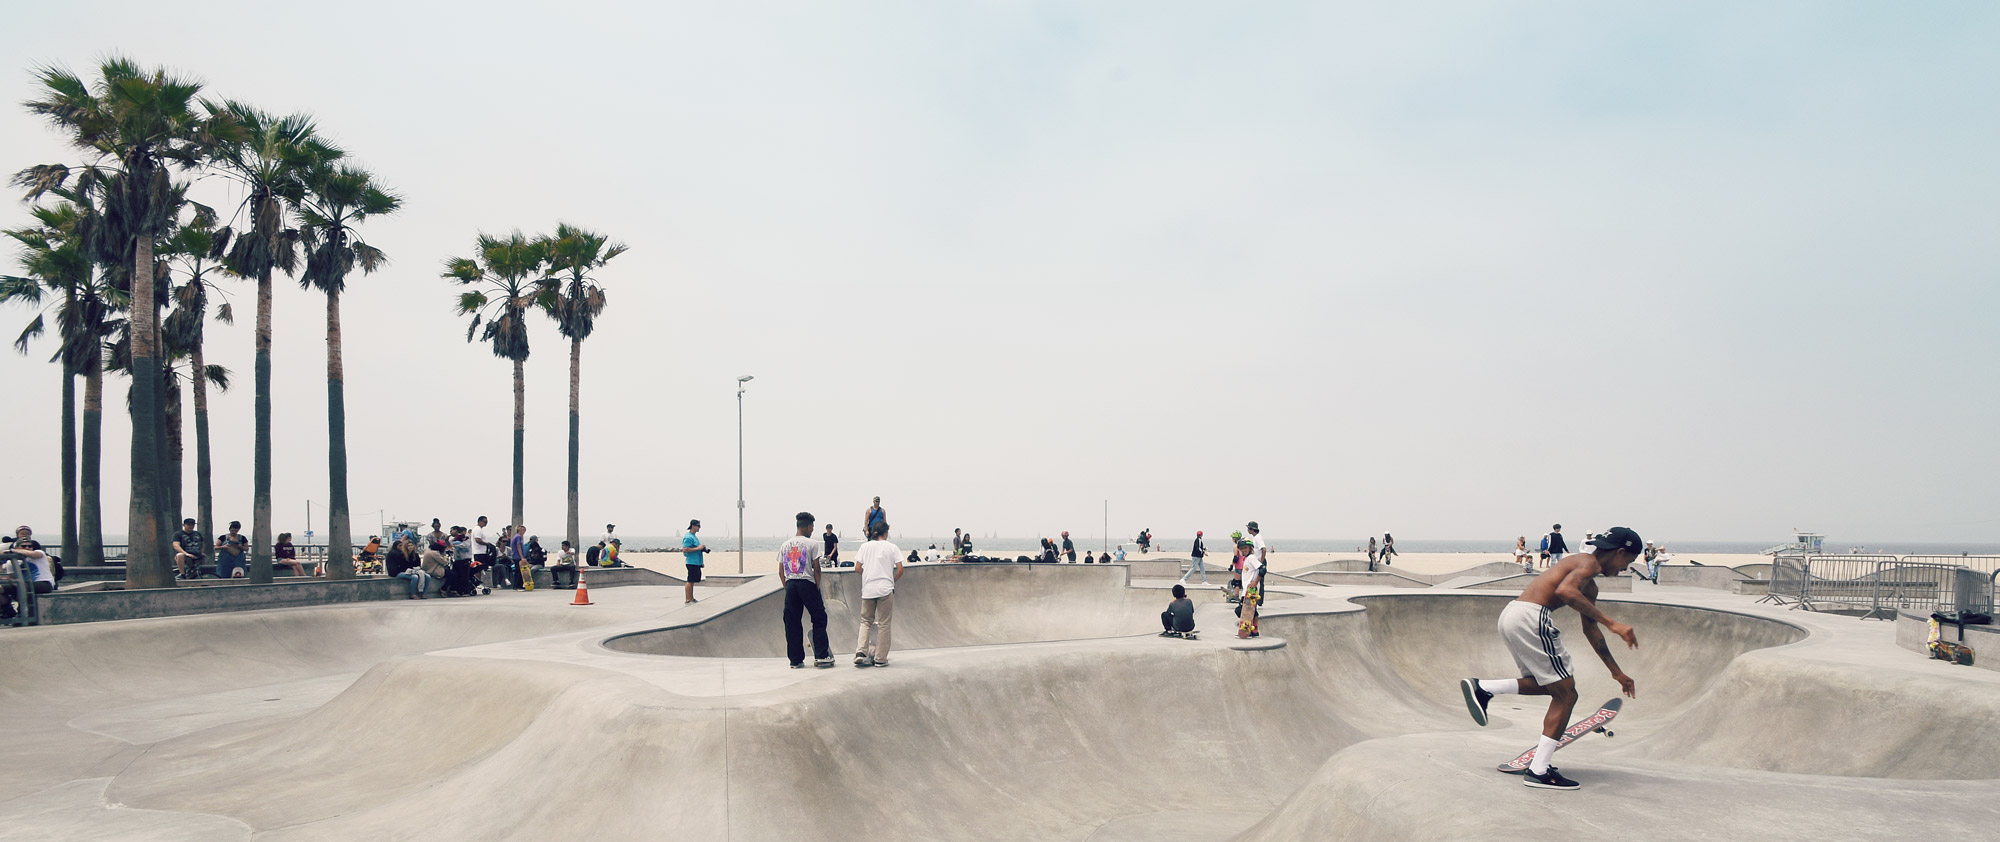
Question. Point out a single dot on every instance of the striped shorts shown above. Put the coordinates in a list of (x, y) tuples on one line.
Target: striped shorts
[(1534, 641)]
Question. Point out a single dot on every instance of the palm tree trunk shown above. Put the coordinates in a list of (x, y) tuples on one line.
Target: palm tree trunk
[(204, 497), (69, 464), (339, 541), (520, 437), (147, 564), (260, 506), (575, 437), (176, 446), (90, 511)]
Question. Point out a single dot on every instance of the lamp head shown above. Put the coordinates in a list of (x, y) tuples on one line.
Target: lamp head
[(745, 378)]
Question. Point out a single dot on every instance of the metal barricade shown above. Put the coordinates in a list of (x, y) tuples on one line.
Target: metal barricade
[(1973, 588), (1788, 581), (1842, 582), (1902, 584), (30, 613)]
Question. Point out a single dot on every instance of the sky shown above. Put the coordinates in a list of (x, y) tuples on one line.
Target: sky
[(1452, 270)]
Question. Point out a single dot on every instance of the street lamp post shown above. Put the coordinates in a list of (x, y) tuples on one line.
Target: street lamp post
[(739, 470)]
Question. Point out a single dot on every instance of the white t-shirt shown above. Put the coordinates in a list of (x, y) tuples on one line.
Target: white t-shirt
[(798, 557), (1249, 571), (878, 561), (480, 546), (1258, 551), (931, 555)]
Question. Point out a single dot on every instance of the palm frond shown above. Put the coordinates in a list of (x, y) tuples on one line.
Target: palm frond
[(218, 375), (33, 330)]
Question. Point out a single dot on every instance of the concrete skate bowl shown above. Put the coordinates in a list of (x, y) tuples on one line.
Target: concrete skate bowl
[(936, 606), (1103, 739)]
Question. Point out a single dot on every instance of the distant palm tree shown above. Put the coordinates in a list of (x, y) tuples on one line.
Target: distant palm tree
[(574, 301), (196, 247), (132, 124), (270, 160), (337, 198), (54, 261), (179, 371), (508, 274)]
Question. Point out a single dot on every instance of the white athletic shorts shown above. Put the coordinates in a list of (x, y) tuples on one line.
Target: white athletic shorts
[(1534, 641)]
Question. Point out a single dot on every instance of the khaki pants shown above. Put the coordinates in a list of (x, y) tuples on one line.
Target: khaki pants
[(875, 613)]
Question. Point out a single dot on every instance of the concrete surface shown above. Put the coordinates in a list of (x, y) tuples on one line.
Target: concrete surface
[(1024, 702)]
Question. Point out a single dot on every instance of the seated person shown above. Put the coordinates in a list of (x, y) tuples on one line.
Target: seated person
[(284, 552), (1089, 558), (24, 549), (436, 564), (1178, 619), (565, 566), (232, 560), (404, 564), (190, 550)]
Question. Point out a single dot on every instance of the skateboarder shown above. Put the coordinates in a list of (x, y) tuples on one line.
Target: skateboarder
[(1178, 619), (1536, 644), (798, 565)]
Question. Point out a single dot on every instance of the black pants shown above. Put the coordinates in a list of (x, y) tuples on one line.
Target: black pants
[(1167, 623), (803, 595), (557, 572), (460, 580), (505, 574), (7, 595)]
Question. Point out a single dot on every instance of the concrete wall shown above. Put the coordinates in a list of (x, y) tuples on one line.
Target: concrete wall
[(1913, 631), (94, 606)]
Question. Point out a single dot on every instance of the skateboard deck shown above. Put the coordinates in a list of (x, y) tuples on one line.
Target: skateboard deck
[(1593, 722)]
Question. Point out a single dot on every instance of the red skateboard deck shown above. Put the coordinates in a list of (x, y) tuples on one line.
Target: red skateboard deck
[(1593, 722)]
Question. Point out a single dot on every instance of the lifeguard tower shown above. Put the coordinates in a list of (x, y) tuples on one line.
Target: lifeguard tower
[(1804, 543)]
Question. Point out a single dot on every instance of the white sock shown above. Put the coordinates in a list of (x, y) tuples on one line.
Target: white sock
[(1500, 686), (1544, 749)]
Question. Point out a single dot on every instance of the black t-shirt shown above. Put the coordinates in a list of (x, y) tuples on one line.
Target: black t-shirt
[(1069, 547), (832, 542), (399, 561), (192, 542)]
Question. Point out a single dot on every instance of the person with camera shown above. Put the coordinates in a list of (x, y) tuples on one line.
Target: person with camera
[(24, 549)]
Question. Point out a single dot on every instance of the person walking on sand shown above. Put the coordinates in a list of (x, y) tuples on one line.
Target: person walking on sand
[(1536, 644), (880, 566), (693, 551), (1195, 566), (1557, 547), (798, 566)]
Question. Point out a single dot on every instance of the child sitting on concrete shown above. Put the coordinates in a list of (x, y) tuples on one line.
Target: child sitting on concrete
[(1178, 619)]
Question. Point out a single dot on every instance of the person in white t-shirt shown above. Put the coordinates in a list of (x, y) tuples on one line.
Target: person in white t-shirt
[(482, 554), (1261, 553), (880, 565), (932, 555), (798, 565)]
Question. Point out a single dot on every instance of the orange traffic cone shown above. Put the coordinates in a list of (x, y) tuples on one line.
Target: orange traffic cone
[(582, 591)]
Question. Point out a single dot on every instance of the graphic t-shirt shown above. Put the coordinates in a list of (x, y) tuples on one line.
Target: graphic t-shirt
[(192, 542), (688, 543), (878, 560), (1258, 551), (798, 557)]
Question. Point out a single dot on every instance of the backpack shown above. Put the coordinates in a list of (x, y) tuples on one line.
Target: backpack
[(57, 564), (591, 554)]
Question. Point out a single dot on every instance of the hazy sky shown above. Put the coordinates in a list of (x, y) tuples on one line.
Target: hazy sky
[(1712, 270)]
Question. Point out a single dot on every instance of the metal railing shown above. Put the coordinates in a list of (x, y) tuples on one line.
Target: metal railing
[(24, 592), (1877, 585), (308, 553)]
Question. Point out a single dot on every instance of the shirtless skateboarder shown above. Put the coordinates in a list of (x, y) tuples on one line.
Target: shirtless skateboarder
[(1536, 644)]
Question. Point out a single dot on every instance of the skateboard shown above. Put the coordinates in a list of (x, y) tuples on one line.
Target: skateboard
[(1593, 722)]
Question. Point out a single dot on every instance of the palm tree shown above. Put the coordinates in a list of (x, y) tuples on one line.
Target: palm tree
[(270, 160), (337, 198), (132, 124), (196, 247), (53, 260), (574, 301), (508, 274), (178, 372)]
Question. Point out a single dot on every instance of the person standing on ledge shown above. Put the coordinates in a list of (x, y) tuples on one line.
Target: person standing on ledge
[(1371, 553), (1069, 549), (1262, 555), (1536, 644), (832, 546), (692, 552), (875, 513), (1388, 549), (880, 566), (957, 542), (798, 566)]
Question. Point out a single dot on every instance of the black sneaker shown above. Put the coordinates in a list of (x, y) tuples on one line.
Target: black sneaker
[(1550, 779), (1475, 699), (798, 666)]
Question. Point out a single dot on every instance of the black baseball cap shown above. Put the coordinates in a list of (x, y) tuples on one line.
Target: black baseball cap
[(1617, 538)]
